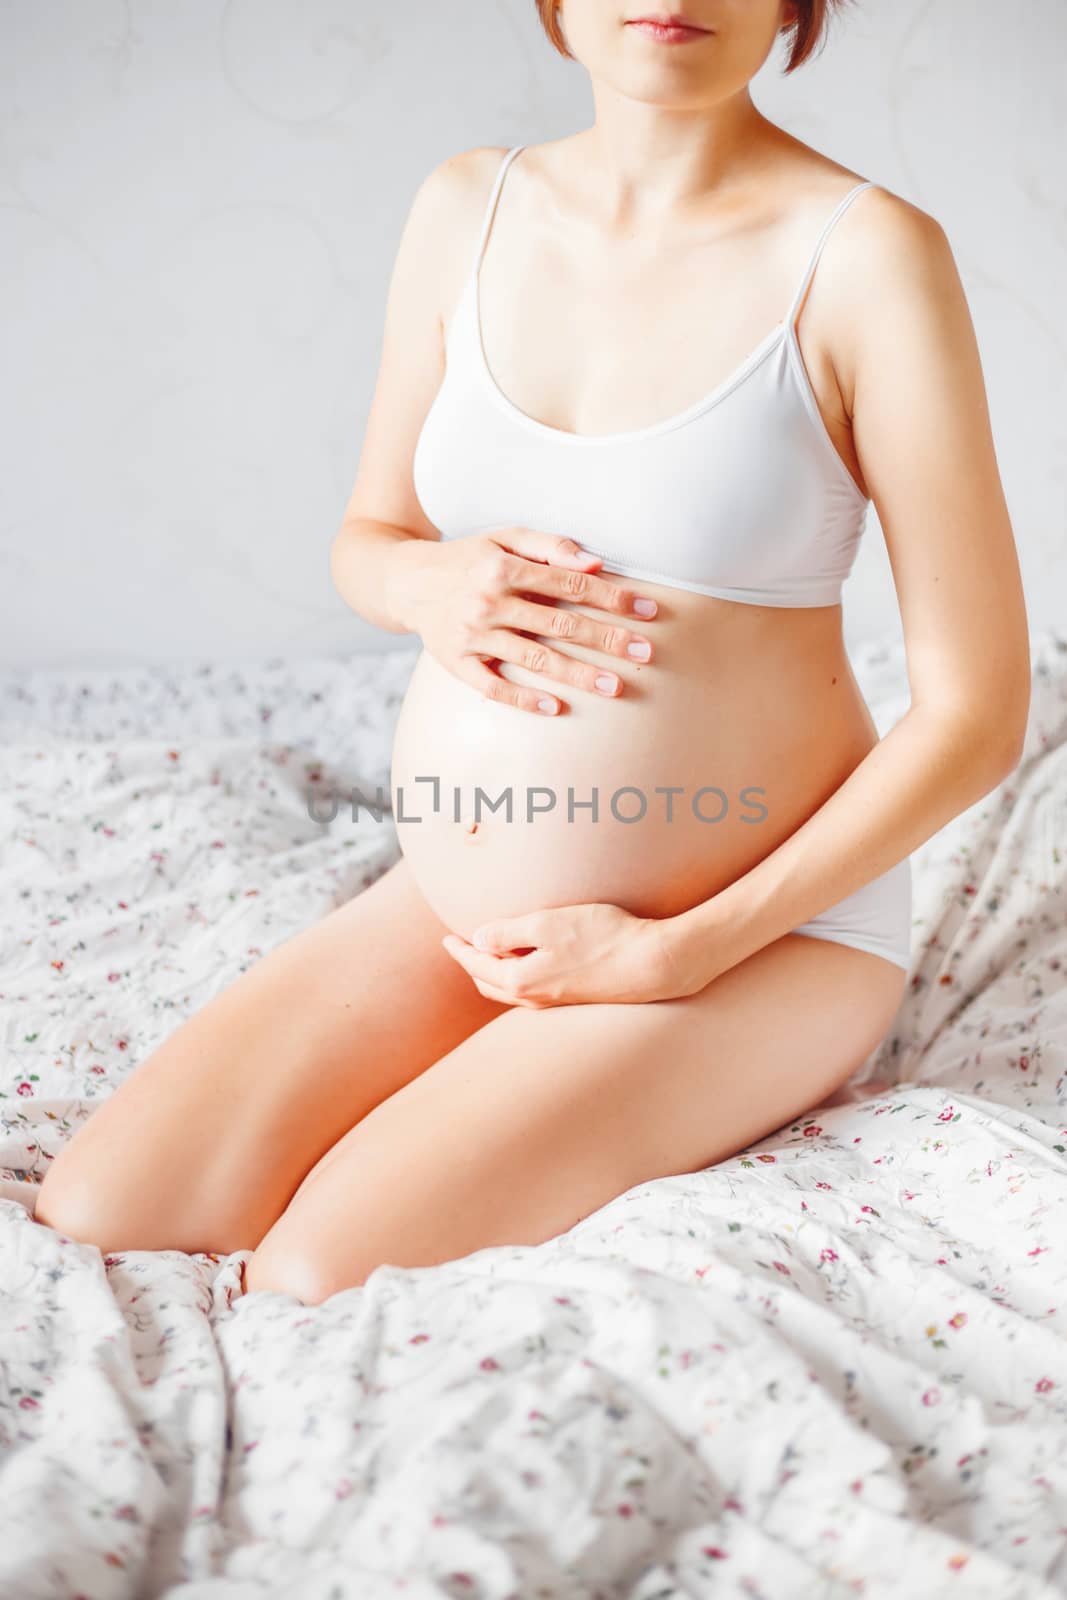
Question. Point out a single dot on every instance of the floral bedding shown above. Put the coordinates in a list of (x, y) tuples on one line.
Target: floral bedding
[(833, 1365)]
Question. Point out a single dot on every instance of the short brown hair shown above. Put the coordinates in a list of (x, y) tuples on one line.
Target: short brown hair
[(809, 29)]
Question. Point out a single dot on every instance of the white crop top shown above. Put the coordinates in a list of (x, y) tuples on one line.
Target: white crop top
[(742, 495)]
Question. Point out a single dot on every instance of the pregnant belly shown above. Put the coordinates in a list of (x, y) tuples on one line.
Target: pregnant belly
[(653, 800)]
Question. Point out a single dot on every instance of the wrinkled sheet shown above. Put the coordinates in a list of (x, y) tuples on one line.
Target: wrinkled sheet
[(833, 1365)]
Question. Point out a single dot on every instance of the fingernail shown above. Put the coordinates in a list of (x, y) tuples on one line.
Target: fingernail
[(548, 706), (606, 683), (645, 608), (639, 650), (479, 939)]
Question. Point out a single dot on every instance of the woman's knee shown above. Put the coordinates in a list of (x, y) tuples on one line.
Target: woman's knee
[(125, 1209), (301, 1272), (80, 1209)]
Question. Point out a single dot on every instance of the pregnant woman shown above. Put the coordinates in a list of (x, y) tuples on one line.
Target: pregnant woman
[(638, 389)]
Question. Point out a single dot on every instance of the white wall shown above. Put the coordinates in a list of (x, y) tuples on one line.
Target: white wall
[(199, 205)]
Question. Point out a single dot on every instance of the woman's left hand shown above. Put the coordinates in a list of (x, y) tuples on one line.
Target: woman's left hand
[(569, 955)]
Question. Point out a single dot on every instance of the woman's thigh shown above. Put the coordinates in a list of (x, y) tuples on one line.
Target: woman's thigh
[(546, 1115), (204, 1144)]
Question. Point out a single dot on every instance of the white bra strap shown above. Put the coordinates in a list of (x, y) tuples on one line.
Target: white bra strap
[(840, 208), (494, 195)]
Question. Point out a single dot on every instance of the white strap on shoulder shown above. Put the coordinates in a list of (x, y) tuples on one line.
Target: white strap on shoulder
[(494, 195), (839, 210)]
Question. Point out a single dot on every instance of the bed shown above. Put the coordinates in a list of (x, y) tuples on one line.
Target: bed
[(833, 1365)]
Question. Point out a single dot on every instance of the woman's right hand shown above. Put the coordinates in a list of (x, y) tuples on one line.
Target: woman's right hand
[(472, 601)]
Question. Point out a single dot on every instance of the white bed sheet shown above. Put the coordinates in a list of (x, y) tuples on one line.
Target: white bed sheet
[(834, 1365)]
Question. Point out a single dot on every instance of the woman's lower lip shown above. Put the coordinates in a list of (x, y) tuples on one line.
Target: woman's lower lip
[(667, 33)]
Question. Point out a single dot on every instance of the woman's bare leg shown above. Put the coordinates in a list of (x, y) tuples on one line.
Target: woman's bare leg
[(543, 1116), (202, 1147)]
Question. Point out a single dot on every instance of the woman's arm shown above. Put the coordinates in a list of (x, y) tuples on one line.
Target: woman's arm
[(922, 433), (384, 530)]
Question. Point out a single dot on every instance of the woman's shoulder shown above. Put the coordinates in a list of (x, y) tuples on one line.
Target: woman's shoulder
[(888, 217), (465, 177), (449, 202), (889, 269), (808, 184), (883, 236)]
